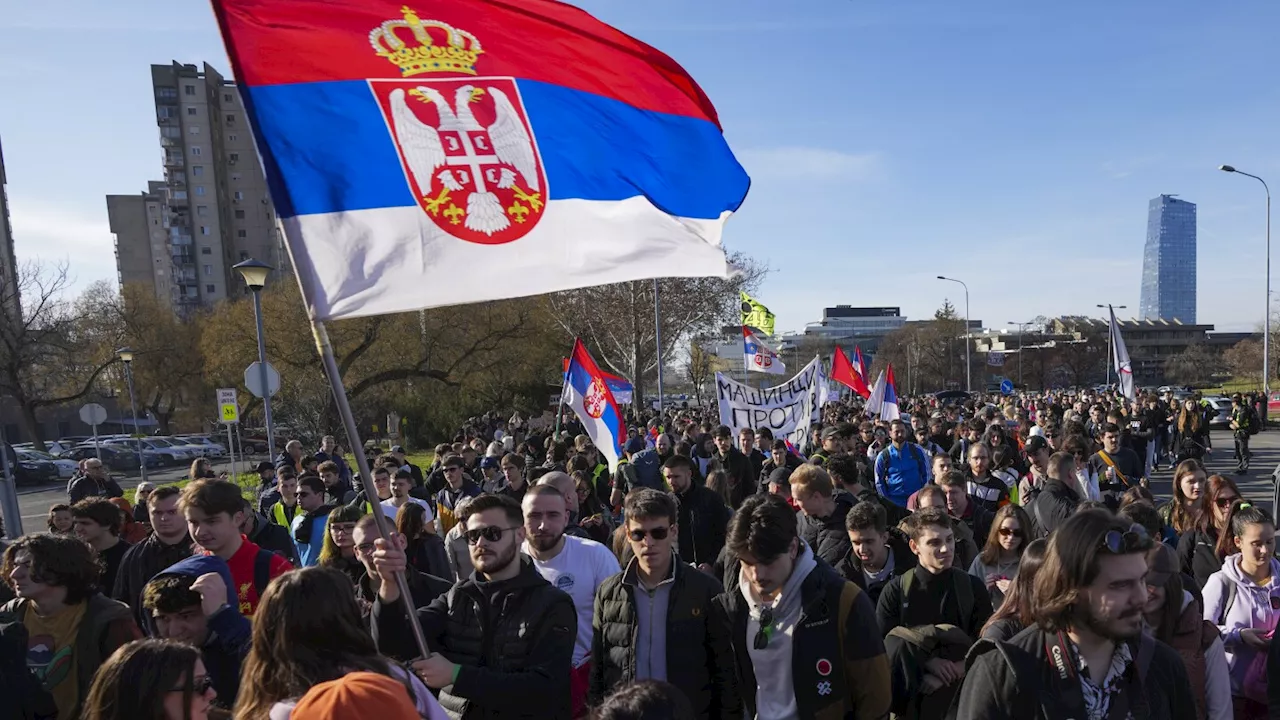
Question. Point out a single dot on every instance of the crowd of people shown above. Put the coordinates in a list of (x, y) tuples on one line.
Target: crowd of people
[(1000, 559)]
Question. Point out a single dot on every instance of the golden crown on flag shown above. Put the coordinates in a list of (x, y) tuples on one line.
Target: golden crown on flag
[(457, 55)]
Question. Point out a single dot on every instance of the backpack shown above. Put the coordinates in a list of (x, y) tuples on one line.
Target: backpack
[(963, 591), (24, 695), (262, 571), (1229, 589), (1253, 424)]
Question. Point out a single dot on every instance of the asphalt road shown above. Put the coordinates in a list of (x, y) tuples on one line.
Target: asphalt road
[(1257, 486), (35, 501)]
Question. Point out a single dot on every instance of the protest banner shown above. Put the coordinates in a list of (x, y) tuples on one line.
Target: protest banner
[(787, 409)]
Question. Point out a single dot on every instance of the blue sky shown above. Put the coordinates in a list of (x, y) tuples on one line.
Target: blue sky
[(1012, 144)]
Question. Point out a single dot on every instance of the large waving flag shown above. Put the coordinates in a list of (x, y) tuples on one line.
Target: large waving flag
[(876, 400), (619, 386), (889, 406), (1120, 356), (758, 357), (588, 393), (415, 152), (844, 372), (860, 363)]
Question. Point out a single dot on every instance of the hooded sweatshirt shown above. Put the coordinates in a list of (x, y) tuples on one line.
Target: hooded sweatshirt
[(775, 691), (227, 642), (1254, 607)]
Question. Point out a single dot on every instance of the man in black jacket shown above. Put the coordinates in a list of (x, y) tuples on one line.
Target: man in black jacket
[(805, 642), (1087, 654), (424, 588), (850, 472), (167, 544), (94, 482), (398, 453), (267, 535), (779, 457), (1058, 498), (822, 511), (877, 553), (656, 620), (703, 515), (734, 462), (501, 640), (747, 444)]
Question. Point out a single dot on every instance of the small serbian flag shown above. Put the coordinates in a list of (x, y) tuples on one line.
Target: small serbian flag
[(758, 357), (889, 406), (417, 150), (587, 392)]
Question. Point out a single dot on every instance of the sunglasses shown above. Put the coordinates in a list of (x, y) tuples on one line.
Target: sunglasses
[(199, 686), (493, 533), (1225, 503), (658, 533), (1136, 539), (766, 629), (1010, 532)]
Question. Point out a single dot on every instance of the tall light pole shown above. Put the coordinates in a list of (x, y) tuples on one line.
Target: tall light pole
[(126, 356), (968, 374), (1266, 316), (1110, 311), (1021, 327), (255, 274)]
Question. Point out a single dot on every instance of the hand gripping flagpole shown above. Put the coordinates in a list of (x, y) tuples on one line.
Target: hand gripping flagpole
[(362, 464)]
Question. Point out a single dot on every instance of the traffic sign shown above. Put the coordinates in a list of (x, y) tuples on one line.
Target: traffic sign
[(1006, 387), (253, 379), (228, 407), (93, 414), (995, 358)]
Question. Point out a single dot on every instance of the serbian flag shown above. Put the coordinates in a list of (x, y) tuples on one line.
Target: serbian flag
[(758, 357), (588, 394), (619, 386), (860, 363), (417, 151), (844, 372), (889, 406)]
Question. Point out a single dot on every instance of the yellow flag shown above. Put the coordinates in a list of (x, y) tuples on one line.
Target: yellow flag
[(756, 315)]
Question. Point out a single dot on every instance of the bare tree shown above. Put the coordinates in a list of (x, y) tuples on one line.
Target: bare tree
[(700, 368), (1193, 366), (51, 351), (617, 321)]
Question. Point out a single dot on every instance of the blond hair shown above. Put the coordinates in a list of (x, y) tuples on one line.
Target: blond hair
[(809, 480)]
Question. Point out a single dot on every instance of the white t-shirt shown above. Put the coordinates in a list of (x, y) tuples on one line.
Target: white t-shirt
[(388, 507), (579, 570)]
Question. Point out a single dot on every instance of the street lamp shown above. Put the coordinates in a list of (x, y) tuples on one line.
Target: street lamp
[(1021, 327), (1266, 317), (1110, 350), (255, 274), (126, 356), (968, 375)]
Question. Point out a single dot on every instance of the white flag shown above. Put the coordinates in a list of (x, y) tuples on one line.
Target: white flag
[(1120, 358), (758, 357), (876, 399)]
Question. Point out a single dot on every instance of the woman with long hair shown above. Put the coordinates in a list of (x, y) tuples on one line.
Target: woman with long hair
[(1198, 553), (1243, 600), (308, 630), (1174, 617), (1014, 614), (997, 564), (1180, 512), (592, 515), (425, 551), (150, 680), (339, 548), (1191, 432), (200, 469)]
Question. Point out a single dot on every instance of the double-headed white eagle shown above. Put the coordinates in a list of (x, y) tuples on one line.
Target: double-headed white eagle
[(424, 152)]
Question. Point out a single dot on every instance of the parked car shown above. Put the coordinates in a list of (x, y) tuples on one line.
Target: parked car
[(118, 458), (1222, 411), (164, 456), (30, 470), (198, 449), (212, 448), (66, 468), (54, 447)]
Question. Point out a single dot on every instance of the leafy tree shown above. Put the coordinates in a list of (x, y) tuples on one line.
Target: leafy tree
[(1193, 366)]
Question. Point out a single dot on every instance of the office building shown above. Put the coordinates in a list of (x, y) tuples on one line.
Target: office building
[(212, 209), (8, 261), (844, 321), (1169, 262)]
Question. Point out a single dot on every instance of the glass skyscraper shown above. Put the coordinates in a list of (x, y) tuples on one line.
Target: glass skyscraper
[(1169, 261)]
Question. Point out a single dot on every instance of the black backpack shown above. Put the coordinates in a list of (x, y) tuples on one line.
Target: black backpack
[(24, 697)]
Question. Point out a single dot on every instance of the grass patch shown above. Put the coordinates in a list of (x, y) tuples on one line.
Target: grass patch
[(248, 482)]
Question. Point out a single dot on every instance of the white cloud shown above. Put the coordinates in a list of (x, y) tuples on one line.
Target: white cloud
[(53, 233), (810, 162)]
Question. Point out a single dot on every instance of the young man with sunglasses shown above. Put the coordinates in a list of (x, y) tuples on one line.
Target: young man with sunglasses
[(501, 640), (575, 565), (805, 640), (656, 620), (1087, 654), (458, 484)]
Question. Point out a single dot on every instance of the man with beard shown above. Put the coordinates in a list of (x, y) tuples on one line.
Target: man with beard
[(902, 468), (572, 564), (703, 515), (502, 640), (1086, 655), (647, 464)]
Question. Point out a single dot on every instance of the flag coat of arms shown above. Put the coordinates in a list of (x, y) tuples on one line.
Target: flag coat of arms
[(587, 392), (417, 151), (758, 357)]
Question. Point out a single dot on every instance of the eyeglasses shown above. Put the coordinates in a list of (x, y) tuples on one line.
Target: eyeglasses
[(1010, 532), (1136, 539), (343, 527), (365, 549), (199, 686), (658, 533), (1225, 502), (493, 533), (766, 628)]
